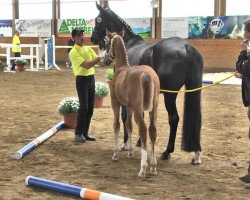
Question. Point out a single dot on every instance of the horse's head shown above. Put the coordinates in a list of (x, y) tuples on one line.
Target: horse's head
[(110, 54), (105, 20)]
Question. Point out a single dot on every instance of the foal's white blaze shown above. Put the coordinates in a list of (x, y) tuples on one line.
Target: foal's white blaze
[(144, 163)]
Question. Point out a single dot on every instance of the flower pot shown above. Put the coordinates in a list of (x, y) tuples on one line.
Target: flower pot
[(70, 120), (98, 102), (20, 68), (1, 69)]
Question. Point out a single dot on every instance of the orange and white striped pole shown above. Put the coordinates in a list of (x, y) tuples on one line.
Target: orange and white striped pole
[(71, 189)]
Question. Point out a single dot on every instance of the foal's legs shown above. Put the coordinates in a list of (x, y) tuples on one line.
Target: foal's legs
[(143, 135), (173, 119), (124, 119), (116, 111), (152, 135), (125, 137), (129, 127)]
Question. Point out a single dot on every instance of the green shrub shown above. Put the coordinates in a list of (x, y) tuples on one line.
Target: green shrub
[(68, 105), (2, 64), (21, 62), (109, 74), (101, 89)]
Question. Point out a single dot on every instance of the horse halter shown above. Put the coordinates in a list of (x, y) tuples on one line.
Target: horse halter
[(110, 55)]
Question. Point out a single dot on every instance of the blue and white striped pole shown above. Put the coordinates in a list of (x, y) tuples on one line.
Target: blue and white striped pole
[(71, 189), (39, 140)]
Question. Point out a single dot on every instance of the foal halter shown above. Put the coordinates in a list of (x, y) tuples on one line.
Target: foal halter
[(110, 54)]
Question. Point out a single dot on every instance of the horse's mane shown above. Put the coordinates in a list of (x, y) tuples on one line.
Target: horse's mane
[(123, 48), (121, 23)]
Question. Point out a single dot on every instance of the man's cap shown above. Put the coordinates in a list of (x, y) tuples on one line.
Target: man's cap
[(77, 31)]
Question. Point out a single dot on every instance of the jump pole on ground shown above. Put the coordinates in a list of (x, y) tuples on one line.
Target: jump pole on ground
[(72, 190), (39, 140)]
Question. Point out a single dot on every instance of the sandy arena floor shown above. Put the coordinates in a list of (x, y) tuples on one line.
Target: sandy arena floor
[(28, 107)]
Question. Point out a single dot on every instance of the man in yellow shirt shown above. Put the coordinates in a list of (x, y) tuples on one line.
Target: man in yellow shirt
[(83, 60), (16, 49)]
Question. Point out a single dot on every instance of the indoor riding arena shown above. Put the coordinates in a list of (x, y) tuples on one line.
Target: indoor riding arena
[(51, 164)]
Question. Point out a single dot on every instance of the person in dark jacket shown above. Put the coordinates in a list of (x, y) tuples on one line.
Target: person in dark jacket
[(71, 42), (243, 71)]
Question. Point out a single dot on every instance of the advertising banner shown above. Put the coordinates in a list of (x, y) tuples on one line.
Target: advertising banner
[(139, 26), (6, 28), (174, 27), (33, 27), (65, 26), (217, 27)]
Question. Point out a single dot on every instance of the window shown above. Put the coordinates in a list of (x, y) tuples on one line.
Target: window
[(6, 9), (239, 7), (73, 9), (132, 8), (39, 9), (186, 8)]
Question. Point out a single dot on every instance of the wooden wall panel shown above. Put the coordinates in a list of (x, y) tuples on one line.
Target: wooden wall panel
[(218, 54)]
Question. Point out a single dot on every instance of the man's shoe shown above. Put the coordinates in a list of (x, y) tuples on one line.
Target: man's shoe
[(89, 137), (245, 178), (80, 138)]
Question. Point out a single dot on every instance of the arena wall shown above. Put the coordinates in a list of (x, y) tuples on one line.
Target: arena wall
[(218, 54)]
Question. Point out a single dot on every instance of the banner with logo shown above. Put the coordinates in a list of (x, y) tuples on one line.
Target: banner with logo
[(174, 27), (65, 26), (140, 26), (6, 28), (33, 27)]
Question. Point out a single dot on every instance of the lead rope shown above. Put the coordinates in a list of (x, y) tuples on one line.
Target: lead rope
[(200, 88)]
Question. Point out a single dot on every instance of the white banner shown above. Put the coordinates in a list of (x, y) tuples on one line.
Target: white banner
[(34, 28), (174, 27)]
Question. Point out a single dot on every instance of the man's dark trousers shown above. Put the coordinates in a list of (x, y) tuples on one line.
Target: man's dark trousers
[(17, 54), (85, 86)]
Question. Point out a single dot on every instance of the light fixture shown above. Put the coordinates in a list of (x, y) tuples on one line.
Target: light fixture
[(154, 3)]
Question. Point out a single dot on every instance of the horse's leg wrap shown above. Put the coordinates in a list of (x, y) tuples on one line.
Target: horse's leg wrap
[(196, 160), (144, 164)]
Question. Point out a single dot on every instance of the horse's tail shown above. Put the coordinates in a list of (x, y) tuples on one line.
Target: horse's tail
[(192, 104), (147, 91)]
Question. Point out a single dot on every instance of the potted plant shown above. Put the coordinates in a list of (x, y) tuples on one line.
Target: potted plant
[(109, 74), (21, 63), (68, 108), (101, 91), (2, 66)]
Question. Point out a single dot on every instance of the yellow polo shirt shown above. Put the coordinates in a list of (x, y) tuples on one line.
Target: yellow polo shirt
[(78, 55), (16, 41)]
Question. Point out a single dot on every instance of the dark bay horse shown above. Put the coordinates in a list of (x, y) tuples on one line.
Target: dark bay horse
[(176, 62), (137, 88)]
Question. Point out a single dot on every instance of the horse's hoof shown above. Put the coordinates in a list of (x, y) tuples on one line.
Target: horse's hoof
[(153, 171), (195, 162), (141, 176), (115, 158), (131, 155), (165, 156), (138, 143), (124, 147)]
